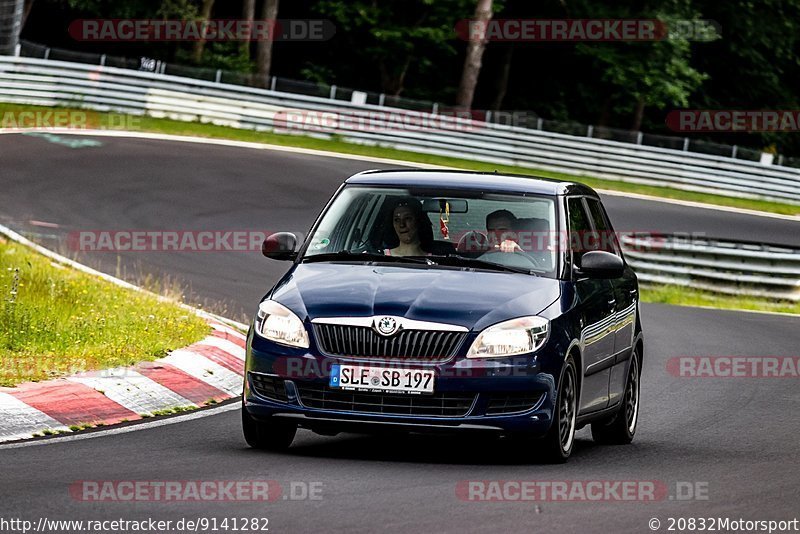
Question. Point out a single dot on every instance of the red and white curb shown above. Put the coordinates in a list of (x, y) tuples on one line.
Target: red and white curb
[(205, 372)]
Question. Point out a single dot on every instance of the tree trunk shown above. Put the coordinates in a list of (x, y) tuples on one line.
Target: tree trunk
[(199, 45), (502, 80), (26, 10), (472, 63), (605, 112), (248, 14), (638, 115), (269, 12), (392, 78)]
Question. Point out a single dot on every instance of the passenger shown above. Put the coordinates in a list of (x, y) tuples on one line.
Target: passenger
[(413, 230), (501, 227)]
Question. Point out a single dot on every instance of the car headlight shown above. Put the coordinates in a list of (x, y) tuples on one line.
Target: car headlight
[(279, 324), (509, 338)]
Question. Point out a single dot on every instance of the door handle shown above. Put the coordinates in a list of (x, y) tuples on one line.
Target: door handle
[(612, 302)]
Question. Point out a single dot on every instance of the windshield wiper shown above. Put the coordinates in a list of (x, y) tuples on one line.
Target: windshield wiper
[(481, 264), (344, 255)]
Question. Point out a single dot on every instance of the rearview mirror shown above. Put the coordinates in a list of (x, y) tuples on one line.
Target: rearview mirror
[(438, 205), (280, 246), (601, 264)]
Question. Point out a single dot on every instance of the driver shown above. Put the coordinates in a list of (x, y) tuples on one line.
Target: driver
[(500, 227)]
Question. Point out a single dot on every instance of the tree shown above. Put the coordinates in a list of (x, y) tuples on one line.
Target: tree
[(501, 85), (26, 10), (199, 45), (248, 14), (472, 62), (269, 12)]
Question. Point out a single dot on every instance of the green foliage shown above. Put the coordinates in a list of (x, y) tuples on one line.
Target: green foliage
[(656, 73), (166, 9), (225, 55)]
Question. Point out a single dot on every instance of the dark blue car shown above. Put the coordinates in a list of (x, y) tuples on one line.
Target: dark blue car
[(442, 301)]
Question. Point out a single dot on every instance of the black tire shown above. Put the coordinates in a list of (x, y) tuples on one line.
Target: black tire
[(620, 429), (557, 443), (272, 436)]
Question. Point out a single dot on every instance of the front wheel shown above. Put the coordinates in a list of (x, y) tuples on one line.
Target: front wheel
[(558, 442), (620, 429), (272, 436)]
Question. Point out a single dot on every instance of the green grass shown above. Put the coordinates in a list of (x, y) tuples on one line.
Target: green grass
[(56, 321), (172, 411), (685, 296), (196, 129)]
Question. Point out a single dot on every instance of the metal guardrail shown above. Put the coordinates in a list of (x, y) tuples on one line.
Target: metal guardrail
[(736, 268), (104, 88), (517, 118)]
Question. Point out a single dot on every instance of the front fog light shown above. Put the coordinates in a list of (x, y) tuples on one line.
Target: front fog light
[(510, 338), (279, 324)]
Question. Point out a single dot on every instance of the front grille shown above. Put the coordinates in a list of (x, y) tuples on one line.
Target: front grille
[(454, 404), (270, 387), (512, 402), (364, 342)]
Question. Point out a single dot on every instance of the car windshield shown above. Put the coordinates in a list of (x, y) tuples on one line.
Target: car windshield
[(514, 232)]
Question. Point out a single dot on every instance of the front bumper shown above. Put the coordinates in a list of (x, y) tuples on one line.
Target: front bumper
[(504, 396)]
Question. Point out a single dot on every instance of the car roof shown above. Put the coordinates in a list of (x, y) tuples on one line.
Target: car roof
[(485, 181)]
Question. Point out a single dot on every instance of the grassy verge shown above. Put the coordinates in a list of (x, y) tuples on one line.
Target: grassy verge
[(685, 296), (56, 321), (196, 129)]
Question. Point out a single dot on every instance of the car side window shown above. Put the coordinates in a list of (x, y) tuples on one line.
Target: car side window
[(606, 240), (579, 229)]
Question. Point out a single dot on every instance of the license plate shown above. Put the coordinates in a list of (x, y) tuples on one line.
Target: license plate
[(363, 378)]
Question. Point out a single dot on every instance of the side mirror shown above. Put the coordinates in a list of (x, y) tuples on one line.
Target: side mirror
[(601, 264), (280, 246)]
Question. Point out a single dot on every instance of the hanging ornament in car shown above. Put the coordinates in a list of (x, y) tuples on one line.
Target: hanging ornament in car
[(444, 218)]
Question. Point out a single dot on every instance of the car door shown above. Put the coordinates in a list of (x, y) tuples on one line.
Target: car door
[(626, 295), (594, 308)]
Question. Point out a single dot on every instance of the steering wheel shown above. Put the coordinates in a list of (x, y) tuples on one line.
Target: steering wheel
[(519, 259)]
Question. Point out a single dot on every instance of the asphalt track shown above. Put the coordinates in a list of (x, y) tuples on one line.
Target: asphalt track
[(735, 436)]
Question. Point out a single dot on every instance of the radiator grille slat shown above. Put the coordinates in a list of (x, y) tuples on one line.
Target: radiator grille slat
[(364, 342)]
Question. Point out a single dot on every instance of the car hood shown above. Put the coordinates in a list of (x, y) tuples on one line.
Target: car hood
[(473, 299)]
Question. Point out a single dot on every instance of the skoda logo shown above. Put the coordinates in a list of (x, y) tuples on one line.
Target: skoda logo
[(387, 326)]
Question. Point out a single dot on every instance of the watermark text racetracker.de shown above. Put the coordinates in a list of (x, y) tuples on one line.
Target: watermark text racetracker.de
[(218, 30), (733, 120), (333, 121), (586, 30), (168, 240), (177, 491), (40, 119), (734, 367), (580, 491)]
